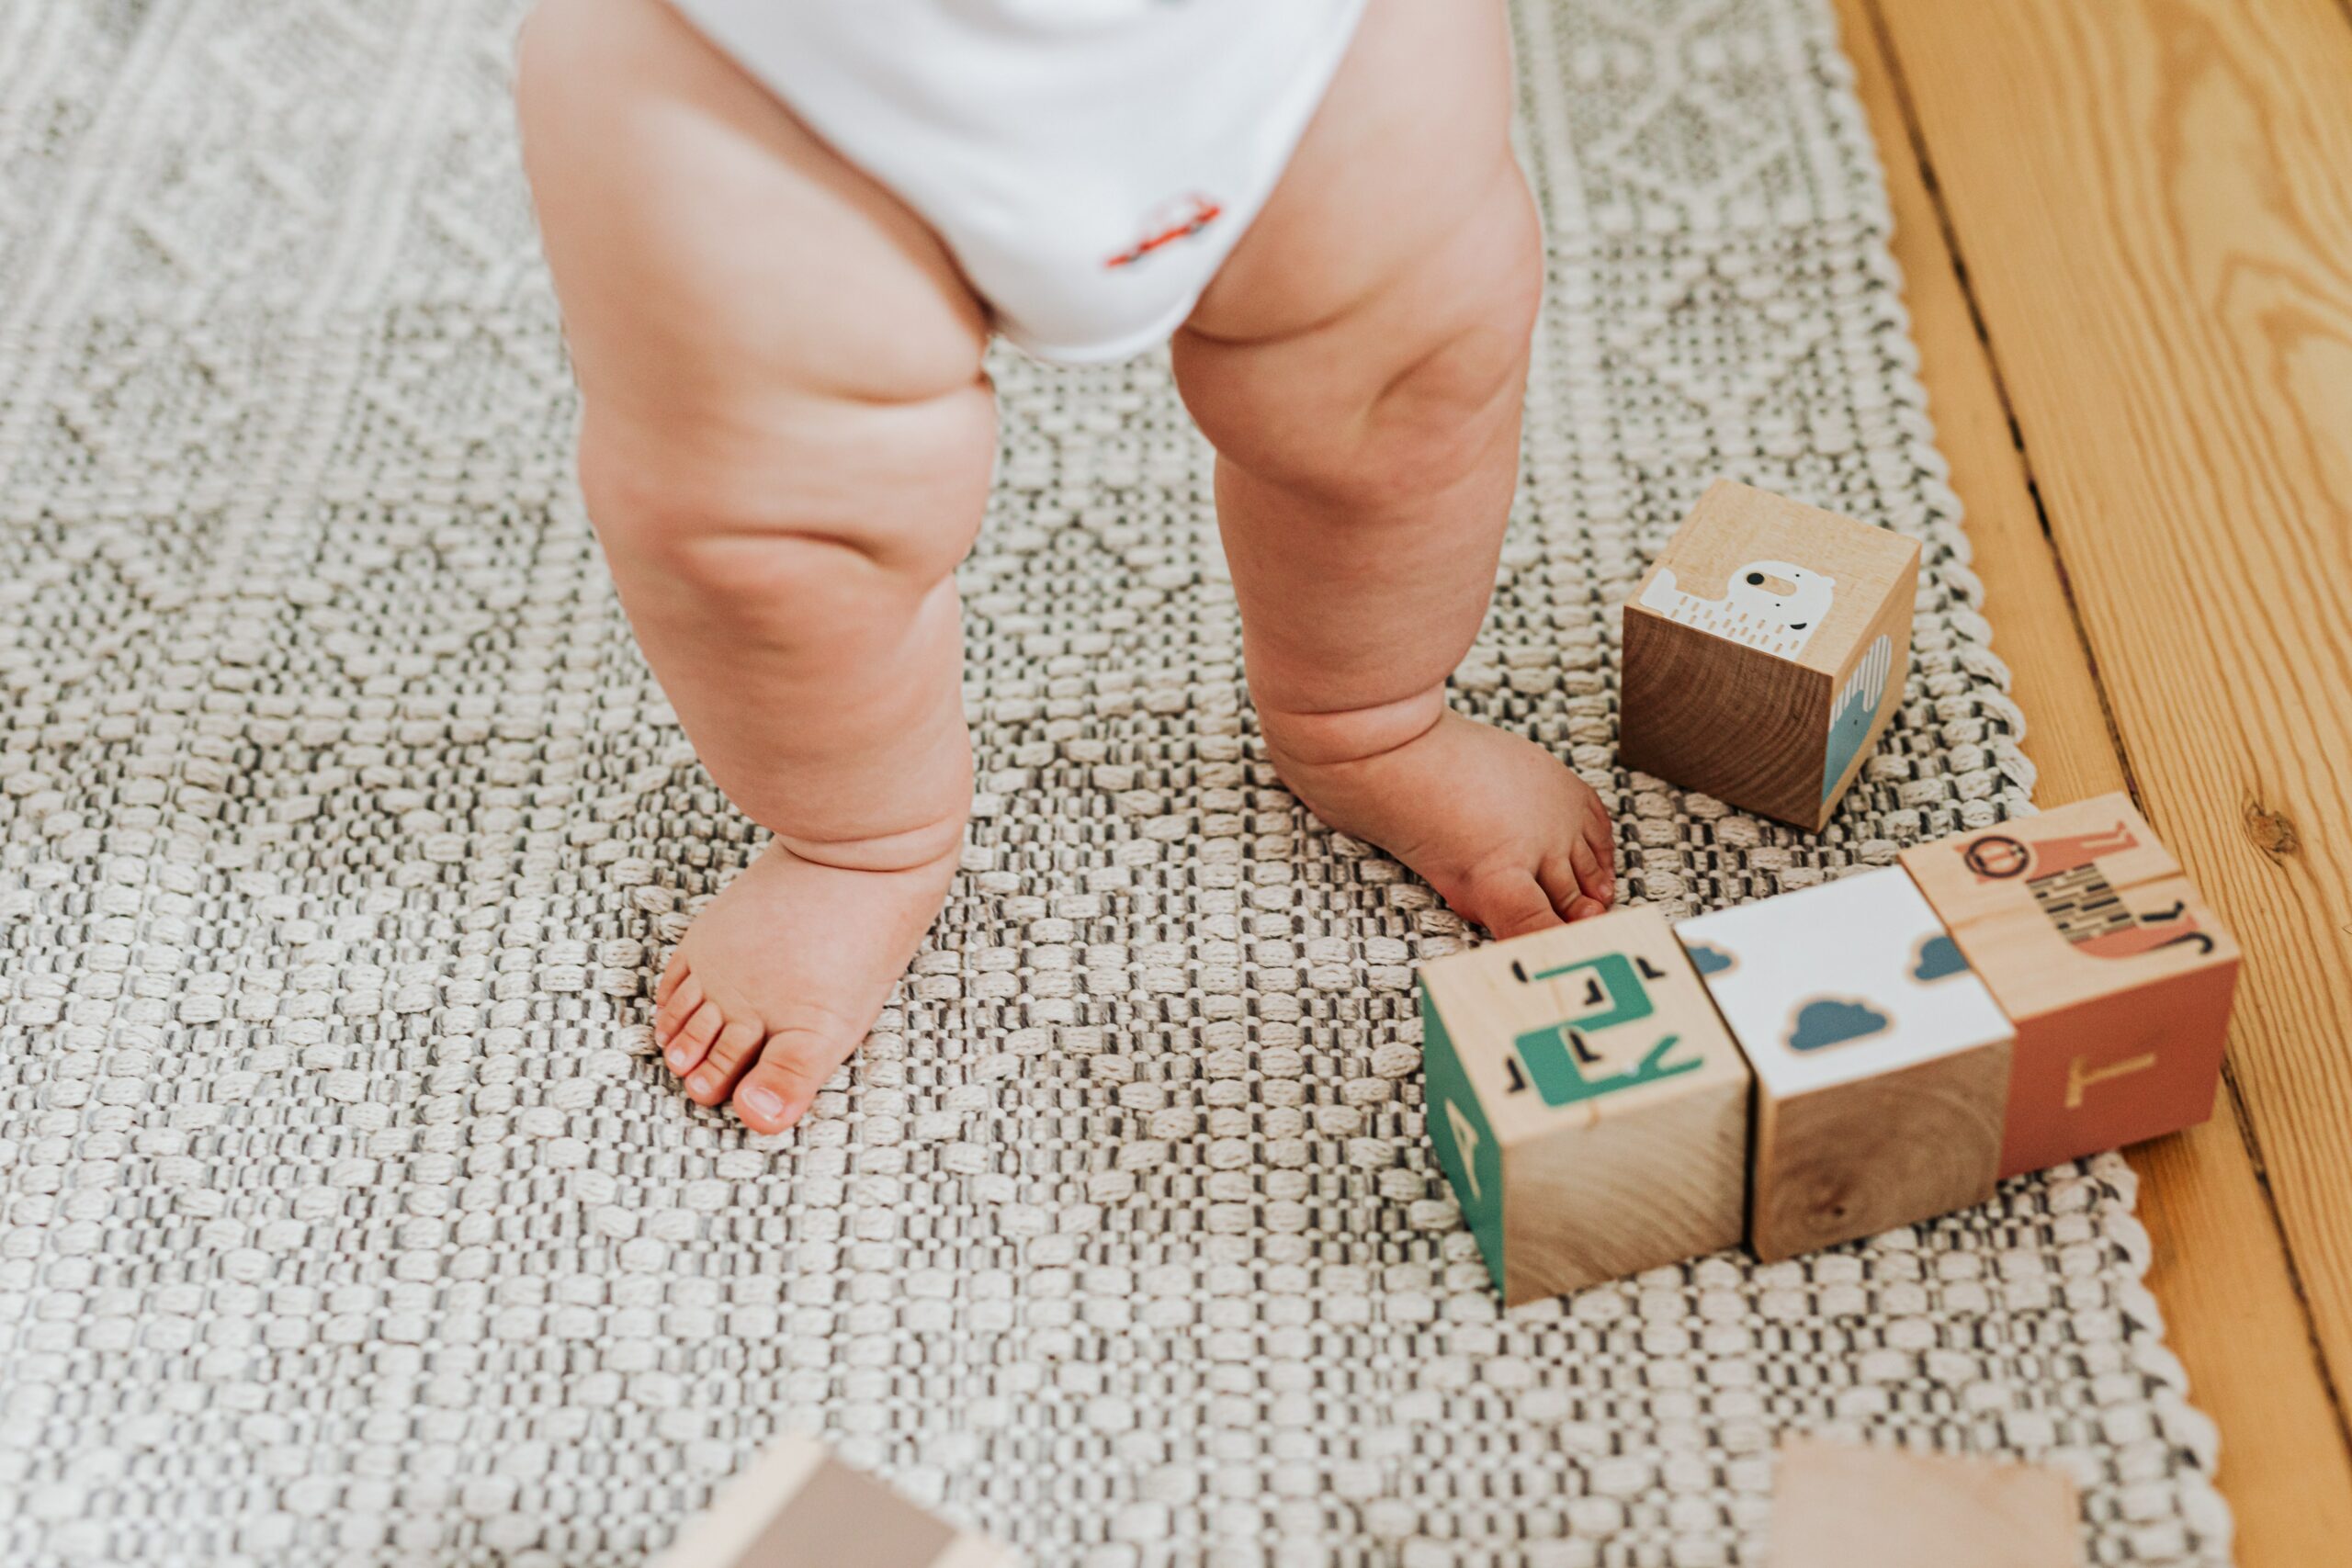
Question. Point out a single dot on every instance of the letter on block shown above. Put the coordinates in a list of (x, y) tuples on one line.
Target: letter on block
[(798, 1506), (1585, 1102), (1765, 651), (1882, 1064), (2117, 977)]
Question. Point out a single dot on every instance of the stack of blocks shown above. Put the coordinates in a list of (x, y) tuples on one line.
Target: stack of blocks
[(1617, 1094)]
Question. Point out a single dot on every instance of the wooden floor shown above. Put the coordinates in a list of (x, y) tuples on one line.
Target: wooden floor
[(2126, 226)]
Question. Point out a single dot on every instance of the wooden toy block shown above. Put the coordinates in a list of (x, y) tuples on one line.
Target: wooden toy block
[(1764, 652), (1586, 1103), (1882, 1064), (2117, 977), (798, 1506), (1844, 1506)]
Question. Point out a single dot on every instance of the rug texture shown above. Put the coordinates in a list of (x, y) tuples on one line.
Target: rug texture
[(348, 1215)]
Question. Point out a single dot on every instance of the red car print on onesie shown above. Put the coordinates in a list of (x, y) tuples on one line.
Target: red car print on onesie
[(1179, 219)]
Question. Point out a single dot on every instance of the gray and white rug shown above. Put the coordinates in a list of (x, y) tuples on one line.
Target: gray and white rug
[(344, 1216)]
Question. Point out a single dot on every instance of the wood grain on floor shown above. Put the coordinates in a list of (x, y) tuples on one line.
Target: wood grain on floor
[(2126, 230)]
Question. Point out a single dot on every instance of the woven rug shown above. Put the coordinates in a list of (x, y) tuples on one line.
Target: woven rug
[(345, 1214)]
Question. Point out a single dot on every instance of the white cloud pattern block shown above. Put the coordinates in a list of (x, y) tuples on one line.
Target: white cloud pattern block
[(1823, 985)]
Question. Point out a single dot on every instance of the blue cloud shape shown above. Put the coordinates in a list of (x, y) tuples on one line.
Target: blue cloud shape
[(1831, 1023), (1938, 958), (1708, 959)]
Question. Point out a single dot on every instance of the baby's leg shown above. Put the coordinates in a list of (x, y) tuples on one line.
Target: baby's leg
[(1359, 365), (786, 447)]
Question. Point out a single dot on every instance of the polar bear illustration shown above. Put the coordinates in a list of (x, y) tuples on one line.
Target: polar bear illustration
[(1772, 605)]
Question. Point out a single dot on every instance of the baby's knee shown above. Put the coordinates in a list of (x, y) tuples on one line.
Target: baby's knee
[(823, 507), (1444, 395), (568, 52), (1419, 430), (1442, 416), (1404, 394)]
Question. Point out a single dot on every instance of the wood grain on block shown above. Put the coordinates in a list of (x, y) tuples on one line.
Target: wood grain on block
[(798, 1506), (1712, 716), (2117, 976), (1586, 1103), (1845, 1505), (1882, 1064), (1753, 667)]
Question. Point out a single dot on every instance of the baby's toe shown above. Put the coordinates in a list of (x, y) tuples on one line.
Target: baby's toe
[(1592, 878), (685, 999), (1508, 903), (732, 1049), (676, 970), (1557, 876), (694, 1039), (1602, 885), (777, 1091)]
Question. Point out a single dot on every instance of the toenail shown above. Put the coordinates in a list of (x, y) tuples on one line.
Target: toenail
[(678, 1058), (762, 1103), (703, 1082)]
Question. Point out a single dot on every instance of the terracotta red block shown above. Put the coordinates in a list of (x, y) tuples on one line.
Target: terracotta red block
[(2117, 977)]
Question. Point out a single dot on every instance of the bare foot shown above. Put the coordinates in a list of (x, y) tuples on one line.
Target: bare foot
[(1508, 836), (782, 976)]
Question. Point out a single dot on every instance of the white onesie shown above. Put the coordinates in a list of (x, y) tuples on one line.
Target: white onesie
[(1088, 162)]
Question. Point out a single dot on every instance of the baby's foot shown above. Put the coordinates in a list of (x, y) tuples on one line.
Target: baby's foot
[(782, 976), (1508, 836)]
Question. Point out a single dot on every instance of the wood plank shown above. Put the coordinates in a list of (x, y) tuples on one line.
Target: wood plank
[(2156, 198), (2221, 1270), (2067, 738)]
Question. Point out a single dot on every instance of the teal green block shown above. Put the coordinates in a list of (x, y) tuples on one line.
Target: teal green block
[(1465, 1144)]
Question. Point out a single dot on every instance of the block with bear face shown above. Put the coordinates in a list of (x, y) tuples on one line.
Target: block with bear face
[(1765, 651)]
